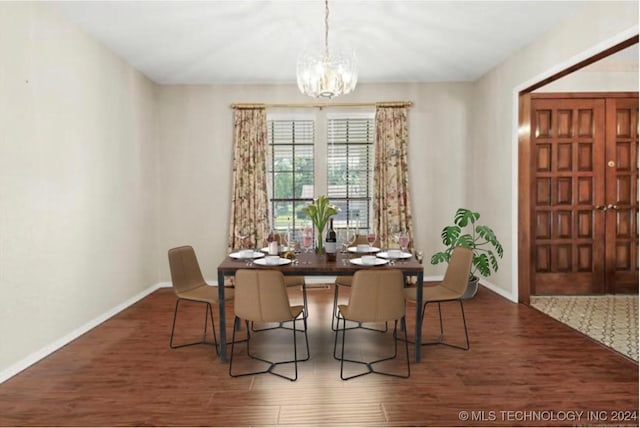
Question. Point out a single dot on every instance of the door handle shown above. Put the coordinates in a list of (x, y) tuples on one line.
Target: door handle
[(613, 207), (601, 207)]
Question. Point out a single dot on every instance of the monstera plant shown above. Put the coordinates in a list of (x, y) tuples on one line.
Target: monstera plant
[(479, 238)]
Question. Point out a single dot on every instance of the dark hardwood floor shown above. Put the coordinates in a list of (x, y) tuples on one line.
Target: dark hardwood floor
[(523, 368)]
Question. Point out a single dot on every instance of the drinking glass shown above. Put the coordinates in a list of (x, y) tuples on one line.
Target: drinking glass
[(351, 237), (396, 231), (403, 240), (307, 239), (371, 238), (242, 234)]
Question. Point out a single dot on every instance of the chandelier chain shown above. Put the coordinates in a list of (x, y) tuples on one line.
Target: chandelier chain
[(326, 29)]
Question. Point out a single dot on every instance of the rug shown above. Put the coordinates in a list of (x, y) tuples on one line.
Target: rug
[(610, 320)]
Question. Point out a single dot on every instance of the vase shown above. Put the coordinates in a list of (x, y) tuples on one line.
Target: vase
[(320, 242)]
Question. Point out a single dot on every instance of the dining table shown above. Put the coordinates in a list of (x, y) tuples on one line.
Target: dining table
[(312, 264)]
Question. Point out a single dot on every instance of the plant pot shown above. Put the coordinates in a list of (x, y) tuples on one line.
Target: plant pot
[(472, 288)]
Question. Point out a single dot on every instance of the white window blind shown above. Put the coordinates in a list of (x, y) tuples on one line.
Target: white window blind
[(350, 169)]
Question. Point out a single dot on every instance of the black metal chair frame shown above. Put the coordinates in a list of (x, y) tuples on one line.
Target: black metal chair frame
[(440, 340), (272, 364), (208, 315), (369, 364)]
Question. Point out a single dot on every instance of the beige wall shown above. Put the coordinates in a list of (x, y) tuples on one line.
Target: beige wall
[(77, 165), (195, 159), (492, 144)]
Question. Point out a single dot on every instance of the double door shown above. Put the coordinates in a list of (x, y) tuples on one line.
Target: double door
[(584, 194)]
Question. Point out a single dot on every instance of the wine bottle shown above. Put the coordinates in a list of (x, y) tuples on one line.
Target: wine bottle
[(331, 242)]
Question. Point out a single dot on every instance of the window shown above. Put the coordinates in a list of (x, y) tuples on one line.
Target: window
[(290, 170), (318, 154), (350, 169)]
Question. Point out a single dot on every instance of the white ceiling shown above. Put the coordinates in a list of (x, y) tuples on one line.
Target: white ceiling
[(250, 41)]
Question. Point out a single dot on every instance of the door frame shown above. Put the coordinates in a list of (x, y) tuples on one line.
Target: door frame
[(523, 187)]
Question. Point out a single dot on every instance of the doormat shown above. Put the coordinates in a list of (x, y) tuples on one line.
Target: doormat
[(611, 320)]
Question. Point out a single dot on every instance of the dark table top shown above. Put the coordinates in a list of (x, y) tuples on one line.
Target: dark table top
[(314, 264)]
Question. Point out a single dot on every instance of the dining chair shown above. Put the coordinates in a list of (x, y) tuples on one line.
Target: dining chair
[(261, 296), (290, 282), (346, 281), (451, 289), (188, 284), (376, 296)]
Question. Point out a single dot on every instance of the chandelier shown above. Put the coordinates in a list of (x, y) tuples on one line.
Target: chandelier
[(326, 74)]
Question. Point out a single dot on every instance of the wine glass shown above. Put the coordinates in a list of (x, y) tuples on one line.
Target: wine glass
[(351, 236), (242, 234), (307, 239), (371, 238), (346, 236), (396, 231), (293, 241), (403, 240)]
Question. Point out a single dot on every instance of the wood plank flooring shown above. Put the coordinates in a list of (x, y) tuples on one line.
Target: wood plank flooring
[(520, 364)]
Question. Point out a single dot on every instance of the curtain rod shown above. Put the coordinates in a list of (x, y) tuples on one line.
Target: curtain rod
[(320, 105)]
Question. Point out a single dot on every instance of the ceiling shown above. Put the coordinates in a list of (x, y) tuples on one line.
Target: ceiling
[(251, 41)]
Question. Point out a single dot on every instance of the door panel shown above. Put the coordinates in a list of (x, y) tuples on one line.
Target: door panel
[(622, 195), (584, 194), (567, 137)]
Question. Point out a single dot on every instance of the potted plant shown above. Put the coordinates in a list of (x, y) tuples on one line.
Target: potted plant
[(319, 212), (480, 239)]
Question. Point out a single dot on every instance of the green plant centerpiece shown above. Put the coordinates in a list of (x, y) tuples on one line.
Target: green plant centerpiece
[(320, 211), (480, 239)]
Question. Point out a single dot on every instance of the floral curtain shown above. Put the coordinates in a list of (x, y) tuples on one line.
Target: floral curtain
[(391, 205), (249, 205)]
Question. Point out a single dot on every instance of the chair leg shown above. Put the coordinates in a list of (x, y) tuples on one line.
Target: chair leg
[(334, 314), (369, 364), (440, 340), (208, 315), (272, 364)]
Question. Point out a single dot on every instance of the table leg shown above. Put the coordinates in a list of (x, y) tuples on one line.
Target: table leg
[(223, 325), (418, 334)]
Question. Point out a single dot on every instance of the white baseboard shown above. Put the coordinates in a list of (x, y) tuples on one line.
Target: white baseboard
[(36, 356), (507, 295)]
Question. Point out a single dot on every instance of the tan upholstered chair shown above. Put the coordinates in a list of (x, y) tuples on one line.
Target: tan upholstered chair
[(451, 289), (376, 296), (261, 296), (188, 284), (291, 282), (346, 281)]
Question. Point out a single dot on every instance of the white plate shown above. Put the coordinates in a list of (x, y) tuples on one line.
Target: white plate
[(263, 262), (384, 255), (238, 255), (378, 262), (369, 250), (281, 249)]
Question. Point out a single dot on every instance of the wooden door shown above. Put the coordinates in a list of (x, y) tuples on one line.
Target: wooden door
[(584, 194), (567, 196), (621, 174)]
